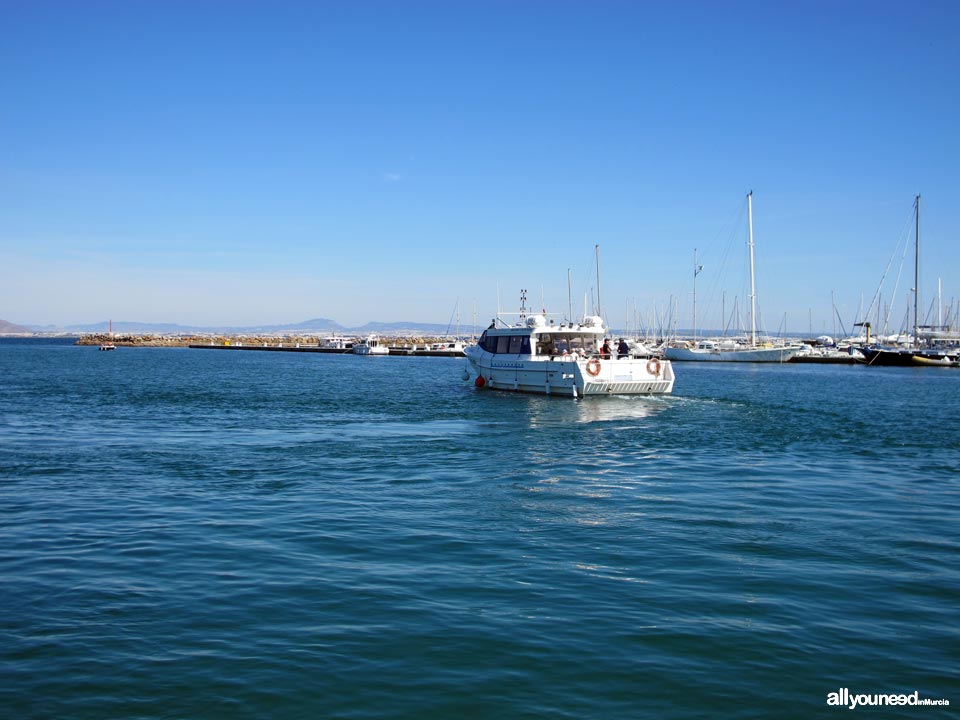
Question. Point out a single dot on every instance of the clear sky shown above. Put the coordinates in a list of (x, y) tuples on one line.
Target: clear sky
[(233, 162)]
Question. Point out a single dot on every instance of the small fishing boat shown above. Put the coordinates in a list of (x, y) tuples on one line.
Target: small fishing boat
[(371, 345), (537, 356), (108, 344)]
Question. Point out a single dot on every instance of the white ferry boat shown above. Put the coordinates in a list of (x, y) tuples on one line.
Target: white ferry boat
[(372, 345), (539, 357), (335, 342)]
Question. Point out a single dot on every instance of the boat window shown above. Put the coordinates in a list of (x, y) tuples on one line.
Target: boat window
[(503, 344), (483, 341), (516, 344), (546, 346), (582, 344)]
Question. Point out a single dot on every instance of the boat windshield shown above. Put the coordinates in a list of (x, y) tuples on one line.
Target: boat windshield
[(505, 344), (565, 343)]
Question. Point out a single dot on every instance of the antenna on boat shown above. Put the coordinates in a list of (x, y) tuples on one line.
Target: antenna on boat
[(523, 306), (599, 304), (569, 299)]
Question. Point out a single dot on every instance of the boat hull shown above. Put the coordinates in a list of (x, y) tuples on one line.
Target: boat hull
[(893, 357), (571, 377), (751, 355)]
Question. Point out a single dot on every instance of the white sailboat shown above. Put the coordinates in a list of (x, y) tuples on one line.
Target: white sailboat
[(730, 349), (108, 345)]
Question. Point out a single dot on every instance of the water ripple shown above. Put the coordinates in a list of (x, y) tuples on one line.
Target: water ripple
[(201, 534)]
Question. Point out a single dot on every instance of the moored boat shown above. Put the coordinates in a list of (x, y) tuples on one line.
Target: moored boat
[(731, 350), (450, 347), (108, 344), (908, 357), (335, 342), (371, 345), (927, 346)]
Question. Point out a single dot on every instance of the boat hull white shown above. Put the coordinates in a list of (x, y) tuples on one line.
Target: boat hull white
[(571, 377), (752, 355), (371, 346)]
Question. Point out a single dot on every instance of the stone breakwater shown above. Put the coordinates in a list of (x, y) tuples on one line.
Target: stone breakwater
[(125, 340), (285, 341)]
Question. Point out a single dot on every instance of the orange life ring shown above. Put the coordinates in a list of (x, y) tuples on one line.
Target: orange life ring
[(653, 366), (593, 366)]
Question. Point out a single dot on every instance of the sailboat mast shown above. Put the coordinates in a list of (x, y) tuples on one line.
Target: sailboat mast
[(753, 289), (696, 271), (916, 277), (694, 294)]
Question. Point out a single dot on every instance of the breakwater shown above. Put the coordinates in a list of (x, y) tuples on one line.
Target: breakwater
[(406, 346), (415, 351)]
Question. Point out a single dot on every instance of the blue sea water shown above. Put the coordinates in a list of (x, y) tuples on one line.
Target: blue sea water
[(228, 534)]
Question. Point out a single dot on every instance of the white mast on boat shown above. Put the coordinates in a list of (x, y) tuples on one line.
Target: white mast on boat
[(753, 289), (916, 278), (696, 271)]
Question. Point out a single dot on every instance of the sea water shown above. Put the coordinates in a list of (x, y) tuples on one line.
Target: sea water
[(191, 533)]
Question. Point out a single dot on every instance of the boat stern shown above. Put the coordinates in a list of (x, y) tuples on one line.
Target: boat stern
[(629, 376)]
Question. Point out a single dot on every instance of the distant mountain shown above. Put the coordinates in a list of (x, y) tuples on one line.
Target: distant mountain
[(401, 328), (10, 328), (313, 326)]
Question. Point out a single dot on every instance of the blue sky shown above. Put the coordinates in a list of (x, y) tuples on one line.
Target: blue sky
[(233, 162)]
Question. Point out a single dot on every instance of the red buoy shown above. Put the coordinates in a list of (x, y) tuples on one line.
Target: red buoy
[(479, 382)]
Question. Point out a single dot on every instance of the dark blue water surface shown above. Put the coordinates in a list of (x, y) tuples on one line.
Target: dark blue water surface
[(228, 534)]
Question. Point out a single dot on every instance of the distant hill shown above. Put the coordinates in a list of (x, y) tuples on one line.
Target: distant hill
[(400, 328), (10, 328), (312, 326)]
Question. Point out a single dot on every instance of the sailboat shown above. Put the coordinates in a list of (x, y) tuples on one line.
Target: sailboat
[(729, 349), (108, 345), (915, 355)]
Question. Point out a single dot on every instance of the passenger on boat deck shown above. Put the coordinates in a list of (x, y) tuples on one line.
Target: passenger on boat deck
[(623, 349), (606, 350)]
